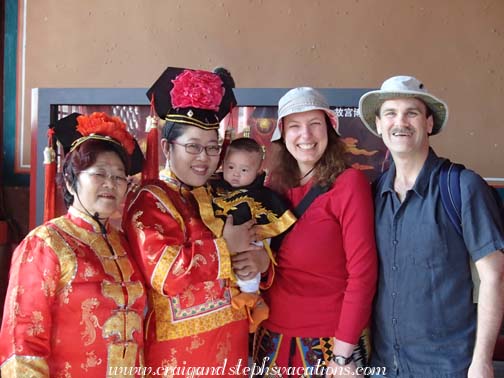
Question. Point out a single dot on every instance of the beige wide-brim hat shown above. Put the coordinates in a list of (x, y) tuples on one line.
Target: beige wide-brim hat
[(400, 87), (300, 100)]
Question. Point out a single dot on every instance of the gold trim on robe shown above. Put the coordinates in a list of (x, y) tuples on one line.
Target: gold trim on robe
[(66, 257), (163, 267), (158, 193), (225, 268), (25, 367), (204, 200), (265, 231), (165, 329)]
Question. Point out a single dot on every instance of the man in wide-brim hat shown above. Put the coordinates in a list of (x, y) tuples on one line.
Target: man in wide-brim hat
[(424, 319)]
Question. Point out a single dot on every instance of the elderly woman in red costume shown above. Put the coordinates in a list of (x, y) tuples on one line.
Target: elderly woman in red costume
[(75, 301), (192, 328), (321, 295)]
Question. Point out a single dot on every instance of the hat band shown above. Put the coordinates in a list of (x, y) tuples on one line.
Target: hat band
[(179, 118), (81, 140)]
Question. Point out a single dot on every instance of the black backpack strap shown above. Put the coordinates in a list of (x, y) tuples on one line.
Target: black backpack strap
[(449, 188), (309, 197), (307, 200)]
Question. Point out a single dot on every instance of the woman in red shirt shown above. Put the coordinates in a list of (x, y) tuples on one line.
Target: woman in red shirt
[(323, 287)]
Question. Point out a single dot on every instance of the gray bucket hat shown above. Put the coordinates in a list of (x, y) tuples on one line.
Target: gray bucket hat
[(398, 87), (299, 100)]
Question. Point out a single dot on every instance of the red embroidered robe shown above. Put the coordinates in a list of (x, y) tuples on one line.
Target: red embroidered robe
[(74, 305), (190, 322)]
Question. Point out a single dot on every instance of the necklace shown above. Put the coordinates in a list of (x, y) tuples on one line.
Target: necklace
[(307, 174)]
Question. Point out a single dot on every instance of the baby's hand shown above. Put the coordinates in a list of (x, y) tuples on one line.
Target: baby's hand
[(248, 263)]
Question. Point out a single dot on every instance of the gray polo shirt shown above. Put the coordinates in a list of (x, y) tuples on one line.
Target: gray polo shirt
[(424, 321)]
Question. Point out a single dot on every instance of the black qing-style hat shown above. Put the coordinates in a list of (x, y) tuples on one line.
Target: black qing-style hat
[(193, 97), (75, 129), (187, 97)]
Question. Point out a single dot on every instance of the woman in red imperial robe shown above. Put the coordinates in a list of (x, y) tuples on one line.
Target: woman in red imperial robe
[(191, 329), (75, 301)]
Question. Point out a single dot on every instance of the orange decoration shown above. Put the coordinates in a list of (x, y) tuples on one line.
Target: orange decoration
[(103, 124)]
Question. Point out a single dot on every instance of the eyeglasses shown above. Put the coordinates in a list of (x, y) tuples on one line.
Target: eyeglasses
[(196, 148), (100, 177)]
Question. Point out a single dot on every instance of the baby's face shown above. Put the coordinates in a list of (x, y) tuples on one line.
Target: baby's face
[(241, 167)]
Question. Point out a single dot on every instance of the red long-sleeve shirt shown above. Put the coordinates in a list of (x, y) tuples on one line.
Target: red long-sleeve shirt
[(327, 265)]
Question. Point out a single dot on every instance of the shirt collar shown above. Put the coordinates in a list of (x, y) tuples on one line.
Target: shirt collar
[(84, 220), (172, 180), (422, 181)]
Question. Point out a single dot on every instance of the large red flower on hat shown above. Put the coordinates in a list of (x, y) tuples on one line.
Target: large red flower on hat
[(103, 124), (197, 89)]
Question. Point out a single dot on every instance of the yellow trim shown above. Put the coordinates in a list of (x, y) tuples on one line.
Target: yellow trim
[(117, 264), (300, 349), (186, 120), (265, 231), (76, 143), (65, 255), (225, 270), (114, 291), (122, 356), (25, 367), (167, 330), (204, 200), (135, 291), (124, 263), (162, 268), (269, 252), (163, 198), (275, 356)]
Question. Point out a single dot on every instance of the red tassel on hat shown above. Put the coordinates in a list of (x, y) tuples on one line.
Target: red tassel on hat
[(50, 178), (151, 167), (228, 136)]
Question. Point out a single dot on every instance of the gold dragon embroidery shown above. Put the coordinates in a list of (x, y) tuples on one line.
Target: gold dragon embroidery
[(188, 296), (135, 220), (178, 268), (256, 208), (66, 372), (91, 361), (14, 306), (89, 271), (210, 294), (170, 365), (65, 294), (196, 342), (48, 284), (89, 320), (197, 261), (36, 326), (159, 228), (161, 207), (223, 349)]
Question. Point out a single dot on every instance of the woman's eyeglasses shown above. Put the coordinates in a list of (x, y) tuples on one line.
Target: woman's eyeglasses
[(100, 177), (196, 148)]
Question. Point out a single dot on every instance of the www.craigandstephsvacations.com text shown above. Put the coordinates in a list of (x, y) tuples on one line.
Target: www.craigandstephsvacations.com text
[(240, 369)]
